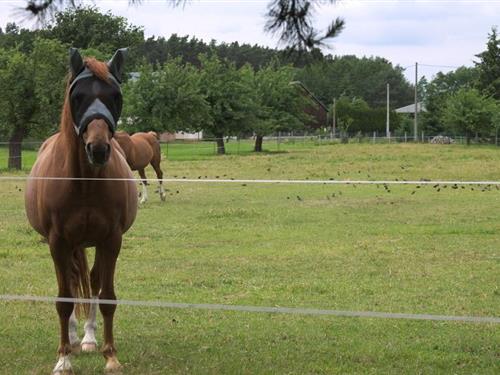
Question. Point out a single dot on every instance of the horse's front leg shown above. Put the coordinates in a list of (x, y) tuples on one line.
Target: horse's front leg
[(89, 342), (107, 253), (61, 255)]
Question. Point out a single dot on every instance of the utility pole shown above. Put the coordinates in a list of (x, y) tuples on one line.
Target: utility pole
[(387, 129), (334, 120), (415, 124)]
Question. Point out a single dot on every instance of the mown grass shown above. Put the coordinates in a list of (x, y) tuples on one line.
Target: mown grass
[(411, 250)]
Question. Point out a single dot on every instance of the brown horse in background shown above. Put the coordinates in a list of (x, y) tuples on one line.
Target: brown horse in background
[(142, 149), (82, 209)]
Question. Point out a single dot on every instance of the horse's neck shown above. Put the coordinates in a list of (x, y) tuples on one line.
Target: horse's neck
[(76, 163)]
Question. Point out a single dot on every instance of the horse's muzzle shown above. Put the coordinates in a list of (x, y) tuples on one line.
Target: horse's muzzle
[(98, 154)]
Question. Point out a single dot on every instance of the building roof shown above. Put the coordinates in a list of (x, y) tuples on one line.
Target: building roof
[(411, 108)]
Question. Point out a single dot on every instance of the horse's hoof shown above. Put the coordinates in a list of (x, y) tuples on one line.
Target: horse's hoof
[(63, 366), (89, 347), (113, 366), (163, 197)]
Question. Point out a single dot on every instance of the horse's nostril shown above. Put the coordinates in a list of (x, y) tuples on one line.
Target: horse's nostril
[(88, 148)]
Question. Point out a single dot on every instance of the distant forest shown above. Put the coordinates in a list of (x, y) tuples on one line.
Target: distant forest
[(326, 76)]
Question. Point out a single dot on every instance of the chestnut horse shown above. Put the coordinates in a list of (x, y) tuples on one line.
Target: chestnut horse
[(81, 208), (142, 149)]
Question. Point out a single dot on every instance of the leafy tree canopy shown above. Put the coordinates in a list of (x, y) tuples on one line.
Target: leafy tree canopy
[(469, 112), (437, 92), (32, 93), (87, 28), (355, 77), (168, 98), (489, 66)]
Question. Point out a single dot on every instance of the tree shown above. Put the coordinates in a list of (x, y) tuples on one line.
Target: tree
[(166, 99), (50, 62), (437, 93), (291, 19), (87, 28), (159, 50), (354, 115), (489, 67), (32, 93), (280, 106), (355, 77), (229, 94), (17, 101), (470, 113)]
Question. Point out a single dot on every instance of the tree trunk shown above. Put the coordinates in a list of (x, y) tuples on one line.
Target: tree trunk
[(15, 141), (344, 137), (467, 138), (258, 143), (221, 150)]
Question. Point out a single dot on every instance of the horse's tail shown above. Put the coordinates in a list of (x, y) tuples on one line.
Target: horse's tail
[(155, 144), (80, 280), (155, 134)]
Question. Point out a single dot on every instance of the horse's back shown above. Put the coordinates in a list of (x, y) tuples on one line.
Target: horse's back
[(151, 138), (144, 148)]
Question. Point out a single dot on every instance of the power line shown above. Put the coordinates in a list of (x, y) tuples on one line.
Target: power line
[(259, 309), (440, 66), (260, 181)]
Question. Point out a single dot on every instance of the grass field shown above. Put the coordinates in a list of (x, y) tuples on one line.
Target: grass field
[(408, 250)]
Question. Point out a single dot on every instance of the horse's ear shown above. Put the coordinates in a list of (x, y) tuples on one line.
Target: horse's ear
[(115, 65), (75, 62)]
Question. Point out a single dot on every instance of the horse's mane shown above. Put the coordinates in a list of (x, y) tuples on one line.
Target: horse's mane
[(101, 71)]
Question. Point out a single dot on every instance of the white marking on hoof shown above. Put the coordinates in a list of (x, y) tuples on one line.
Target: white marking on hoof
[(63, 366), (113, 366), (89, 347), (89, 342), (163, 195)]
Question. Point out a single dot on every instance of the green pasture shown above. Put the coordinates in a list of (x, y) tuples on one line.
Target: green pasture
[(186, 151), (406, 249)]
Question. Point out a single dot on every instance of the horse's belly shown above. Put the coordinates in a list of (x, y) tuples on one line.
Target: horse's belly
[(87, 226)]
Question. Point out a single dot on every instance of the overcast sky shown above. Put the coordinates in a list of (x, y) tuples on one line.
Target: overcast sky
[(431, 32)]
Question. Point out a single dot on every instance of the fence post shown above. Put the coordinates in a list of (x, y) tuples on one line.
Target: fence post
[(373, 139), (423, 140)]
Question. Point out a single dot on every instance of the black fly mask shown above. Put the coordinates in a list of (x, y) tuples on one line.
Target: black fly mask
[(92, 98)]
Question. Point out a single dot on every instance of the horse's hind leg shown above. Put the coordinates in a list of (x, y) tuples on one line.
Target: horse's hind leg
[(61, 255), (89, 342), (159, 174), (144, 195), (107, 254), (73, 333)]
